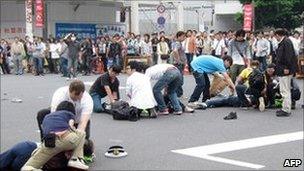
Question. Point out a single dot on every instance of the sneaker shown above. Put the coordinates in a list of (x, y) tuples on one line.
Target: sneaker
[(204, 106), (281, 113), (77, 163), (261, 104), (165, 112), (26, 168), (189, 109), (89, 159), (195, 105), (293, 105), (178, 112)]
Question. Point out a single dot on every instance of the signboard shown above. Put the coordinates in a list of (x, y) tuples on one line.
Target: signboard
[(248, 17), (80, 29), (161, 20), (10, 30), (110, 30), (39, 13), (83, 30), (29, 18), (161, 8)]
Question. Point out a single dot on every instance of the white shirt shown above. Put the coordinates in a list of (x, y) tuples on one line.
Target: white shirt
[(139, 90), (82, 107), (218, 45), (296, 44), (186, 44), (262, 47), (157, 71), (146, 48), (54, 48)]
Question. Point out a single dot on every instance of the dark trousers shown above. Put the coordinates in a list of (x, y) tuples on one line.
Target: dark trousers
[(42, 113), (271, 94), (38, 63), (86, 64), (55, 63), (189, 60), (231, 101), (154, 58), (5, 67), (64, 66), (263, 63), (50, 65), (171, 79), (202, 86), (17, 156), (180, 90), (240, 91)]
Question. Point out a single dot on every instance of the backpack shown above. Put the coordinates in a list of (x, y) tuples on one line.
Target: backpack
[(256, 80), (121, 110)]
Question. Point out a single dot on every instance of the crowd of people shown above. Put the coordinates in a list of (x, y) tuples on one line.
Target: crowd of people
[(258, 70), (71, 56)]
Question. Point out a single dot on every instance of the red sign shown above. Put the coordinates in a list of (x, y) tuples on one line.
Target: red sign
[(248, 17), (39, 13)]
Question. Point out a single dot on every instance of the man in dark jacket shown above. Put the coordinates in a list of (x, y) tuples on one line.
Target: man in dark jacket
[(286, 67), (74, 49)]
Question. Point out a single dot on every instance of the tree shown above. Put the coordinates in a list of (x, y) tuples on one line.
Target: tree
[(277, 13)]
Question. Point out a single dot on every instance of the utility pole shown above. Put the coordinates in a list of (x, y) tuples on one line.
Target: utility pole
[(45, 16)]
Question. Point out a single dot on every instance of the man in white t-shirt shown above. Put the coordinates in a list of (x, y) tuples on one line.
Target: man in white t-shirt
[(169, 77), (82, 101), (54, 49), (218, 45), (139, 90)]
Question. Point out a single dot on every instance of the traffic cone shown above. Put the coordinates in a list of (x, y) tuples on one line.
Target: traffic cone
[(186, 70)]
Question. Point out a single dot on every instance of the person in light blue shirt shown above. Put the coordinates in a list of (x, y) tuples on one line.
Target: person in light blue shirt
[(204, 65), (208, 64)]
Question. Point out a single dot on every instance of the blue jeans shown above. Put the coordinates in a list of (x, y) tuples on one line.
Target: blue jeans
[(202, 85), (231, 101), (171, 79), (180, 90), (263, 63), (189, 60), (240, 91), (64, 66), (17, 156), (98, 102), (38, 63), (17, 59), (72, 66)]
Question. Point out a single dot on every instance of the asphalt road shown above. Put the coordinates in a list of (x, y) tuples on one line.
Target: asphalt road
[(149, 141)]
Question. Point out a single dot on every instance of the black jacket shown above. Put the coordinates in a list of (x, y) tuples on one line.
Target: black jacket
[(286, 58)]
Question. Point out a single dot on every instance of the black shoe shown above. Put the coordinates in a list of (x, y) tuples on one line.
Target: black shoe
[(293, 105), (232, 115), (281, 113), (270, 106), (152, 113)]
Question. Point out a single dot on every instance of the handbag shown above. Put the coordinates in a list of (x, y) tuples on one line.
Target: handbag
[(50, 140)]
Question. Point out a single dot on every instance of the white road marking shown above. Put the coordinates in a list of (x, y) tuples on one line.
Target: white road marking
[(90, 83), (204, 152)]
